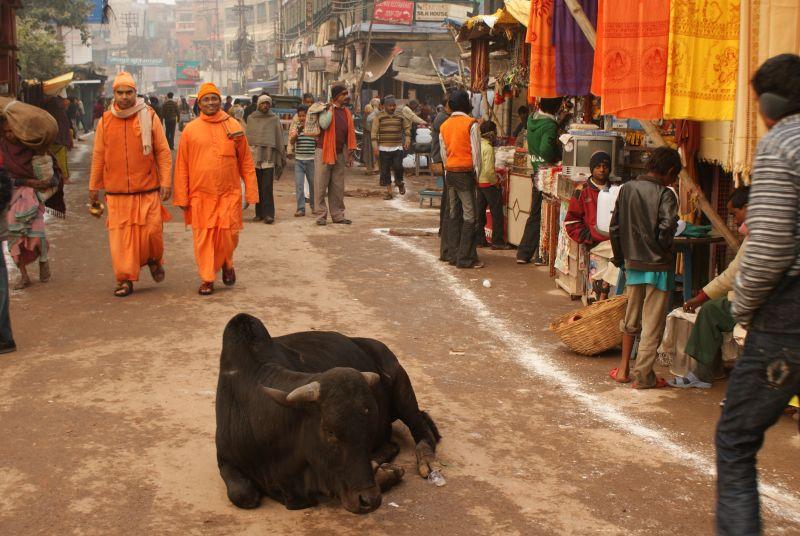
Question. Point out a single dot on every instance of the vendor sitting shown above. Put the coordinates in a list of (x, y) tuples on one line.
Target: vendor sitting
[(714, 317), (581, 222)]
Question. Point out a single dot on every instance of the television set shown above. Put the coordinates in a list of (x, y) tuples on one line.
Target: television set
[(579, 148)]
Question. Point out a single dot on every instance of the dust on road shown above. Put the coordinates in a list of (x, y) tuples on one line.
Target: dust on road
[(107, 409)]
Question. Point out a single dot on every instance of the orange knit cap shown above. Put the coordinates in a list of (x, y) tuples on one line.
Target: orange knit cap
[(207, 89), (124, 79)]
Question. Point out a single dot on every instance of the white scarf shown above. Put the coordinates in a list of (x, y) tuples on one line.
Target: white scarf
[(144, 121)]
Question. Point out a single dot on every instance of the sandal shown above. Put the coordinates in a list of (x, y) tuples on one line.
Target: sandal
[(660, 382), (685, 382), (156, 270), (206, 289), (228, 276), (124, 288), (613, 375)]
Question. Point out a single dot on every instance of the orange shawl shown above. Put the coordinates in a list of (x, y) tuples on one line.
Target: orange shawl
[(329, 138), (542, 81)]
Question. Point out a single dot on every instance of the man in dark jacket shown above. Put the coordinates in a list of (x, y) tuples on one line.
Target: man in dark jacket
[(171, 114), (642, 232), (767, 300), (436, 158), (544, 148), (7, 343)]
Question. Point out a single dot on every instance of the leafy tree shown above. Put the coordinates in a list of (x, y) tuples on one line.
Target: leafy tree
[(41, 53), (58, 13)]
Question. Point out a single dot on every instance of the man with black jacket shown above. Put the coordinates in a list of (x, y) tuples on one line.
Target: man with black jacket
[(642, 232)]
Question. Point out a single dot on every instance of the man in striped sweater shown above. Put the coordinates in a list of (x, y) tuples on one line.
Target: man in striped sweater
[(767, 301), (391, 137)]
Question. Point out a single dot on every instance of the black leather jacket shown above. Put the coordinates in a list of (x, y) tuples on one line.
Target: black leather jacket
[(643, 225)]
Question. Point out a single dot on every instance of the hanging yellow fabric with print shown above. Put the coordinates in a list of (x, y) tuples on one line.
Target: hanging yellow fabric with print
[(703, 59)]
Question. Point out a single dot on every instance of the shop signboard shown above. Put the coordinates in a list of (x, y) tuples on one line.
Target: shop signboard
[(187, 73), (437, 11), (317, 64), (139, 62), (394, 12)]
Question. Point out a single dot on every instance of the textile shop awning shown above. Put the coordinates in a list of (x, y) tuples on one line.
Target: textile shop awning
[(376, 65), (488, 26), (520, 10), (410, 77)]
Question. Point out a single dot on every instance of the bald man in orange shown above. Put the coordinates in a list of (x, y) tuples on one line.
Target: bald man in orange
[(213, 157), (131, 162)]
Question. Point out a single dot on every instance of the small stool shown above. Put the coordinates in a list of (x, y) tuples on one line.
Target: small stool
[(426, 169), (430, 194)]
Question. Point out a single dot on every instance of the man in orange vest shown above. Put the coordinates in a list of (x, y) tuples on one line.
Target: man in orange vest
[(131, 162), (212, 156), (460, 142)]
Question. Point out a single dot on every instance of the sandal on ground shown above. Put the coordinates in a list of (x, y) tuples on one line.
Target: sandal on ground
[(206, 289), (156, 271), (21, 284), (685, 382), (613, 374), (660, 382), (402, 188), (44, 272), (387, 197), (299, 213), (228, 276), (124, 288)]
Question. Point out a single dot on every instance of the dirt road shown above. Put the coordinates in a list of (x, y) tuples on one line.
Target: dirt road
[(107, 409)]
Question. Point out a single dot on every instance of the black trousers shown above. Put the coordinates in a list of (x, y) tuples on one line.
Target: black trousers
[(533, 228), (169, 128), (265, 208), (460, 233), (491, 197), (391, 161)]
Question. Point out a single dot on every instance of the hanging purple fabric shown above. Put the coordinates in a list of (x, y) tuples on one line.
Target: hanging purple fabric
[(574, 54)]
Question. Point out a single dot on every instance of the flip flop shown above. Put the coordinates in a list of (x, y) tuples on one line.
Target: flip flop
[(683, 382), (156, 271), (660, 382), (206, 289), (613, 375)]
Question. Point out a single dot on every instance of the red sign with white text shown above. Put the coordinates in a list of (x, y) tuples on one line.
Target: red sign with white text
[(394, 12)]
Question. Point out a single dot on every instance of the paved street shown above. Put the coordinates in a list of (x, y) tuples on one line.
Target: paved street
[(107, 409)]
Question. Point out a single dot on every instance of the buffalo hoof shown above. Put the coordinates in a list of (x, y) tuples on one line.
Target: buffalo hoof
[(243, 498), (388, 475), (426, 459)]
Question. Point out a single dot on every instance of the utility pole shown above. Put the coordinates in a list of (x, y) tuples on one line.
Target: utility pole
[(364, 61)]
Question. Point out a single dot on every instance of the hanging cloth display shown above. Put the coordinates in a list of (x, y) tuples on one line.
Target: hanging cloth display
[(543, 55), (479, 64), (703, 60), (630, 61), (574, 53)]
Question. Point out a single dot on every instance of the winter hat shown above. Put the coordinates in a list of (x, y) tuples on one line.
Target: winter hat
[(598, 158)]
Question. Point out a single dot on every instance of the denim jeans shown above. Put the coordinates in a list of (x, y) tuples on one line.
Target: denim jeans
[(303, 169), (461, 242), (6, 337), (763, 381)]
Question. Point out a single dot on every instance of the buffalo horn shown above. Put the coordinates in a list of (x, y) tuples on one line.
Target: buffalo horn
[(372, 378), (305, 393)]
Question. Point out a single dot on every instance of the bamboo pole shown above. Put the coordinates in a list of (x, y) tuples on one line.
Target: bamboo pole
[(438, 74), (364, 62), (651, 130)]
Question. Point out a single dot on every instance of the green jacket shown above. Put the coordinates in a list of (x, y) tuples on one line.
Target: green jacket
[(543, 137)]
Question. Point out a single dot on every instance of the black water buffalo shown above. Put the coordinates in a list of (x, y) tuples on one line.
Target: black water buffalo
[(309, 414)]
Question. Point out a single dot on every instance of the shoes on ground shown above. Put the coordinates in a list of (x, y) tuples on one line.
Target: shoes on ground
[(269, 221), (8, 347), (501, 247), (344, 222), (322, 221), (299, 213), (402, 188)]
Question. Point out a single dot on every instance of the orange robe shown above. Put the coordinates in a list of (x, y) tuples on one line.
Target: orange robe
[(131, 180), (213, 158)]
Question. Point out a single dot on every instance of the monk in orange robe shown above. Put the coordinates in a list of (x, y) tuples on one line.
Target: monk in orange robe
[(213, 158), (131, 162)]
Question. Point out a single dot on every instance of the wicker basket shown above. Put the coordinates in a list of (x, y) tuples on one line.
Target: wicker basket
[(593, 329)]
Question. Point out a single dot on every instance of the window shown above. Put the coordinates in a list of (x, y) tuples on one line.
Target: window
[(231, 18), (261, 12)]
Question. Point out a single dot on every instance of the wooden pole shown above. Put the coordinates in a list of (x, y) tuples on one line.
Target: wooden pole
[(438, 74), (651, 130), (364, 64)]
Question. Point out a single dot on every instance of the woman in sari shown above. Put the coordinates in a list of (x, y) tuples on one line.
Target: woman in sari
[(25, 216)]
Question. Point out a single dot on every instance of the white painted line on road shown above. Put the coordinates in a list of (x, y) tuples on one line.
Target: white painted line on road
[(780, 501)]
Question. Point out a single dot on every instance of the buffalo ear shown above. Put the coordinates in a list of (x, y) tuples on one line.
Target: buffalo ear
[(305, 393), (277, 395), (372, 378)]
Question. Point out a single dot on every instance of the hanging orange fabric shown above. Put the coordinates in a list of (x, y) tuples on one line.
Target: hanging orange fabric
[(542, 81), (630, 60)]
